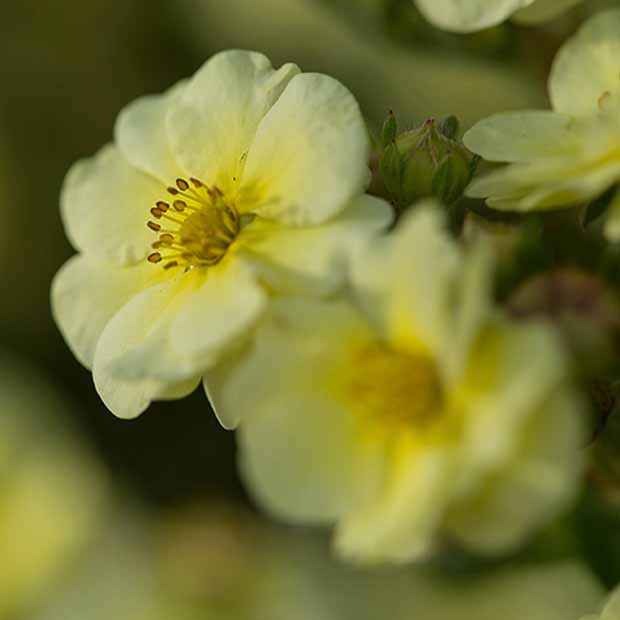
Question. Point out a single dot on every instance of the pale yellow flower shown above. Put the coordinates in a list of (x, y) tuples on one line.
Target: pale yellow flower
[(568, 156), (423, 413), (239, 181), (611, 610), (471, 15)]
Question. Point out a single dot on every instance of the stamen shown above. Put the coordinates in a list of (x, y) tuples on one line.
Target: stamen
[(205, 226), (182, 184)]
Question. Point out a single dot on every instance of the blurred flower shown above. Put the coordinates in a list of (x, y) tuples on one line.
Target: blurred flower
[(210, 560), (472, 15), (428, 413), (251, 176), (611, 610), (51, 490), (568, 156)]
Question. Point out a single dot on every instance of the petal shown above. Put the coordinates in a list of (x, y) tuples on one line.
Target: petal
[(310, 155), (588, 66), (533, 488), (612, 609), (212, 124), (401, 523), (300, 453), (128, 399), (105, 205), (521, 440), (141, 135), (543, 10), (220, 314), (522, 136), (176, 329), (313, 259), (297, 456), (459, 16), (394, 274), (85, 296)]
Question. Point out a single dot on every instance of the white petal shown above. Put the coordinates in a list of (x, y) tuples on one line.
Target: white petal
[(105, 206), (212, 124), (86, 294), (469, 15), (543, 10), (416, 300), (401, 524), (141, 135), (312, 259), (220, 314), (522, 136), (300, 452), (297, 456), (174, 330), (521, 443), (612, 609), (310, 155), (128, 399), (535, 487), (587, 66)]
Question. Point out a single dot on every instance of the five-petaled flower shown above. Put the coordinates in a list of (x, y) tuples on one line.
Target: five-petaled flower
[(418, 409), (238, 184), (568, 156)]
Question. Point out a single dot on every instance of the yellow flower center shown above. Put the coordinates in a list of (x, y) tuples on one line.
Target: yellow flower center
[(390, 387), (195, 229)]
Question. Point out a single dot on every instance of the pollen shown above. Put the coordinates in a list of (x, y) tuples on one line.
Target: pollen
[(195, 228), (392, 388)]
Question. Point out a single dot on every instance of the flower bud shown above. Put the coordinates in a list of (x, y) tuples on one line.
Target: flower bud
[(433, 163)]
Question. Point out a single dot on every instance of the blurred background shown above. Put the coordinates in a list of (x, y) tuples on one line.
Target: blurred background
[(100, 516)]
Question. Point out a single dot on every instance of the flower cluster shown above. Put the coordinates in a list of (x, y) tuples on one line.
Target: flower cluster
[(226, 237)]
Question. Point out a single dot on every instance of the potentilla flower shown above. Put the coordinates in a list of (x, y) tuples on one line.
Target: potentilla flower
[(471, 15), (568, 156), (240, 182), (416, 412), (611, 610)]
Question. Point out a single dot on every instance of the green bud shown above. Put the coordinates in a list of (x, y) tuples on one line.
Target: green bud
[(449, 127), (433, 164), (388, 133), (391, 170)]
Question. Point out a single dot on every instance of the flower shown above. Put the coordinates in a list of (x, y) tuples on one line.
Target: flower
[(417, 411), (568, 156), (242, 181), (472, 15), (611, 610)]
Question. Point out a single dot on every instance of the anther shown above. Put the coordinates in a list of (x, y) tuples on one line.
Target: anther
[(162, 206), (171, 264), (179, 205), (172, 190), (196, 182), (166, 238), (182, 184), (155, 257), (156, 212), (153, 226)]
